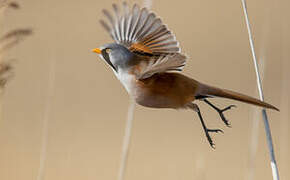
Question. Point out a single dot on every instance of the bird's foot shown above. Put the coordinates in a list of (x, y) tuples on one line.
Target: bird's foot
[(207, 131), (221, 113)]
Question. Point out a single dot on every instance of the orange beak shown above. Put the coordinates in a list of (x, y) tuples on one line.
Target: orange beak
[(97, 50)]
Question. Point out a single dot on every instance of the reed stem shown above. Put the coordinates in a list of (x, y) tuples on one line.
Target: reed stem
[(130, 115), (274, 167), (46, 116), (126, 140)]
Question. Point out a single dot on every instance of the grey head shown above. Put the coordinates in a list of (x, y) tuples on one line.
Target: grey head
[(117, 56)]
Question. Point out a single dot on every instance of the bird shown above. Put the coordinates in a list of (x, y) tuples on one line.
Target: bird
[(147, 59)]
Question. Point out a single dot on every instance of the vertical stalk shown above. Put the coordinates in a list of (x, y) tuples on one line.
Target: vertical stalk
[(46, 116), (130, 115), (126, 140), (274, 167)]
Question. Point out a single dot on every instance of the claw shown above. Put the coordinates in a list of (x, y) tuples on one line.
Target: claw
[(212, 145), (207, 131), (224, 119), (210, 140), (221, 113)]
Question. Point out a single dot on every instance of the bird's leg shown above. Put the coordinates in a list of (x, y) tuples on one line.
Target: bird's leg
[(206, 130), (221, 111)]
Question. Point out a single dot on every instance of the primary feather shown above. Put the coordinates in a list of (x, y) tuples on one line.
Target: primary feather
[(143, 33), (139, 29)]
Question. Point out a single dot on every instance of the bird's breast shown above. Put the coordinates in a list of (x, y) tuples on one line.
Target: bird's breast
[(127, 81)]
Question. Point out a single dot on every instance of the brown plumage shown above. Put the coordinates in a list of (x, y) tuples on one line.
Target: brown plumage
[(144, 54), (217, 92), (166, 90), (174, 90)]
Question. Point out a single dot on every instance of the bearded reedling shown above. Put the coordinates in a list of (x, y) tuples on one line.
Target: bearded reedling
[(145, 57)]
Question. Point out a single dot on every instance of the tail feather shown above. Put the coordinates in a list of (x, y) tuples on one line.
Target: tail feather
[(213, 91)]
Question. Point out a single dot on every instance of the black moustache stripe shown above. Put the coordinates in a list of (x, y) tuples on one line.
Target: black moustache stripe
[(107, 59)]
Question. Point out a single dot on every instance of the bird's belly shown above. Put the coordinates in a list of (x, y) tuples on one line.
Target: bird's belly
[(159, 91), (147, 97), (156, 101), (156, 98)]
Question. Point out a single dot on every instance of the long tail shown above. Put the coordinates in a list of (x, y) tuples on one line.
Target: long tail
[(213, 91)]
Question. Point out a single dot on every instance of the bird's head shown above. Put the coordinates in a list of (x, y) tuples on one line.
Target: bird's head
[(116, 55)]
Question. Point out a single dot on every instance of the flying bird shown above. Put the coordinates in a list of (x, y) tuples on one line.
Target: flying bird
[(147, 59)]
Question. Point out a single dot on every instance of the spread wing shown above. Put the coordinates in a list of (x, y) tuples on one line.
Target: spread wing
[(143, 33)]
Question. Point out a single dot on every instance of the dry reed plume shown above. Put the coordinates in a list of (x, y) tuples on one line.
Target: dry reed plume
[(7, 41)]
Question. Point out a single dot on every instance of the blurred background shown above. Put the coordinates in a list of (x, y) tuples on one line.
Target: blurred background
[(62, 89)]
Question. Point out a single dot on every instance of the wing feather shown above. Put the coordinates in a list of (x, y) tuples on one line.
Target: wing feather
[(139, 26), (141, 31), (141, 21), (153, 27), (117, 22), (147, 23), (135, 18), (173, 62)]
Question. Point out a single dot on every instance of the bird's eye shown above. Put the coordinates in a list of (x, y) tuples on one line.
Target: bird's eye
[(108, 50)]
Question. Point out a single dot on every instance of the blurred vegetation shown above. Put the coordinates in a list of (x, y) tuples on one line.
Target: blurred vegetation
[(9, 40)]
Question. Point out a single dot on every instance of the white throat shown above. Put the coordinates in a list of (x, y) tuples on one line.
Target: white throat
[(126, 79)]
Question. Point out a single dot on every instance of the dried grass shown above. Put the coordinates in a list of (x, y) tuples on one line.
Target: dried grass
[(8, 4), (7, 41)]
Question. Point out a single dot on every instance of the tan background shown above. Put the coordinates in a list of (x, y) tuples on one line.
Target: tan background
[(86, 106)]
